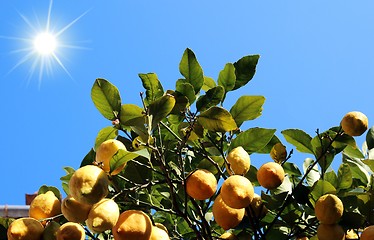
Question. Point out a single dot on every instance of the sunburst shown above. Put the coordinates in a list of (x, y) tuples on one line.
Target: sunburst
[(44, 49)]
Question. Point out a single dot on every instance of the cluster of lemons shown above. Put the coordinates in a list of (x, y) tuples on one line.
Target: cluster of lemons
[(87, 203), (236, 197)]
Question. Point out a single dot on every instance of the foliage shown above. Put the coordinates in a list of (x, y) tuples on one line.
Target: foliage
[(179, 130)]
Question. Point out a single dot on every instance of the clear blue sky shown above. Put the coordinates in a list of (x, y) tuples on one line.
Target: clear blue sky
[(317, 63)]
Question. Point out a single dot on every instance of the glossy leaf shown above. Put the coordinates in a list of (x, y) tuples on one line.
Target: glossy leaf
[(370, 138), (122, 157), (320, 188), (160, 108), (245, 69), (217, 119), (313, 174), (208, 83), (359, 170), (105, 134), (152, 86), (344, 176), (131, 115), (369, 163), (300, 139), (267, 149), (106, 98), (247, 108), (190, 68), (211, 98), (45, 188), (186, 89), (253, 139), (227, 77)]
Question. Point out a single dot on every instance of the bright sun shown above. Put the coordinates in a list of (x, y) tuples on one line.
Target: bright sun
[(45, 43), (44, 49)]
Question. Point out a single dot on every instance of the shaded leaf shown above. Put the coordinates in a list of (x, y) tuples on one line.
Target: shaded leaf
[(247, 108), (89, 158), (331, 177), (186, 89), (291, 169), (160, 108), (217, 119), (190, 68), (123, 156), (211, 98), (181, 101), (344, 176), (106, 98), (245, 69), (152, 86), (321, 187), (300, 139), (358, 168), (369, 163), (253, 139), (370, 138), (208, 165), (267, 149), (105, 134), (136, 172)]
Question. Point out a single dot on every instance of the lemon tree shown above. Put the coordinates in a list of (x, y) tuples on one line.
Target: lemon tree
[(187, 163)]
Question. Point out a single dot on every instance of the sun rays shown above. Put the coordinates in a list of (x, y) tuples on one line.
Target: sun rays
[(44, 49)]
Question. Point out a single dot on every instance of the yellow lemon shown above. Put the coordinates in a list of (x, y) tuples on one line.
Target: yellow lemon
[(237, 191), (74, 211), (225, 216), (103, 215), (270, 175), (159, 232), (330, 232), (228, 236), (105, 152), (278, 153), (45, 205), (368, 233), (132, 225), (89, 184), (258, 206), (239, 161), (354, 123), (70, 231), (201, 184), (329, 209), (25, 229)]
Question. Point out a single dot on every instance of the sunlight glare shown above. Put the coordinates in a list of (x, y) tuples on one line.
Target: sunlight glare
[(45, 43)]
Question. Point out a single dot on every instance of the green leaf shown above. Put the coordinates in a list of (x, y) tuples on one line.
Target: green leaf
[(186, 89), (227, 77), (211, 98), (344, 176), (359, 170), (300, 139), (138, 173), (253, 139), (105, 134), (274, 140), (190, 68), (160, 108), (332, 178), (106, 98), (245, 69), (313, 174), (217, 119), (320, 188), (45, 188), (353, 152), (370, 138), (291, 169), (247, 108), (208, 83), (208, 165), (152, 86), (89, 158), (122, 157), (131, 115), (369, 163), (181, 101)]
